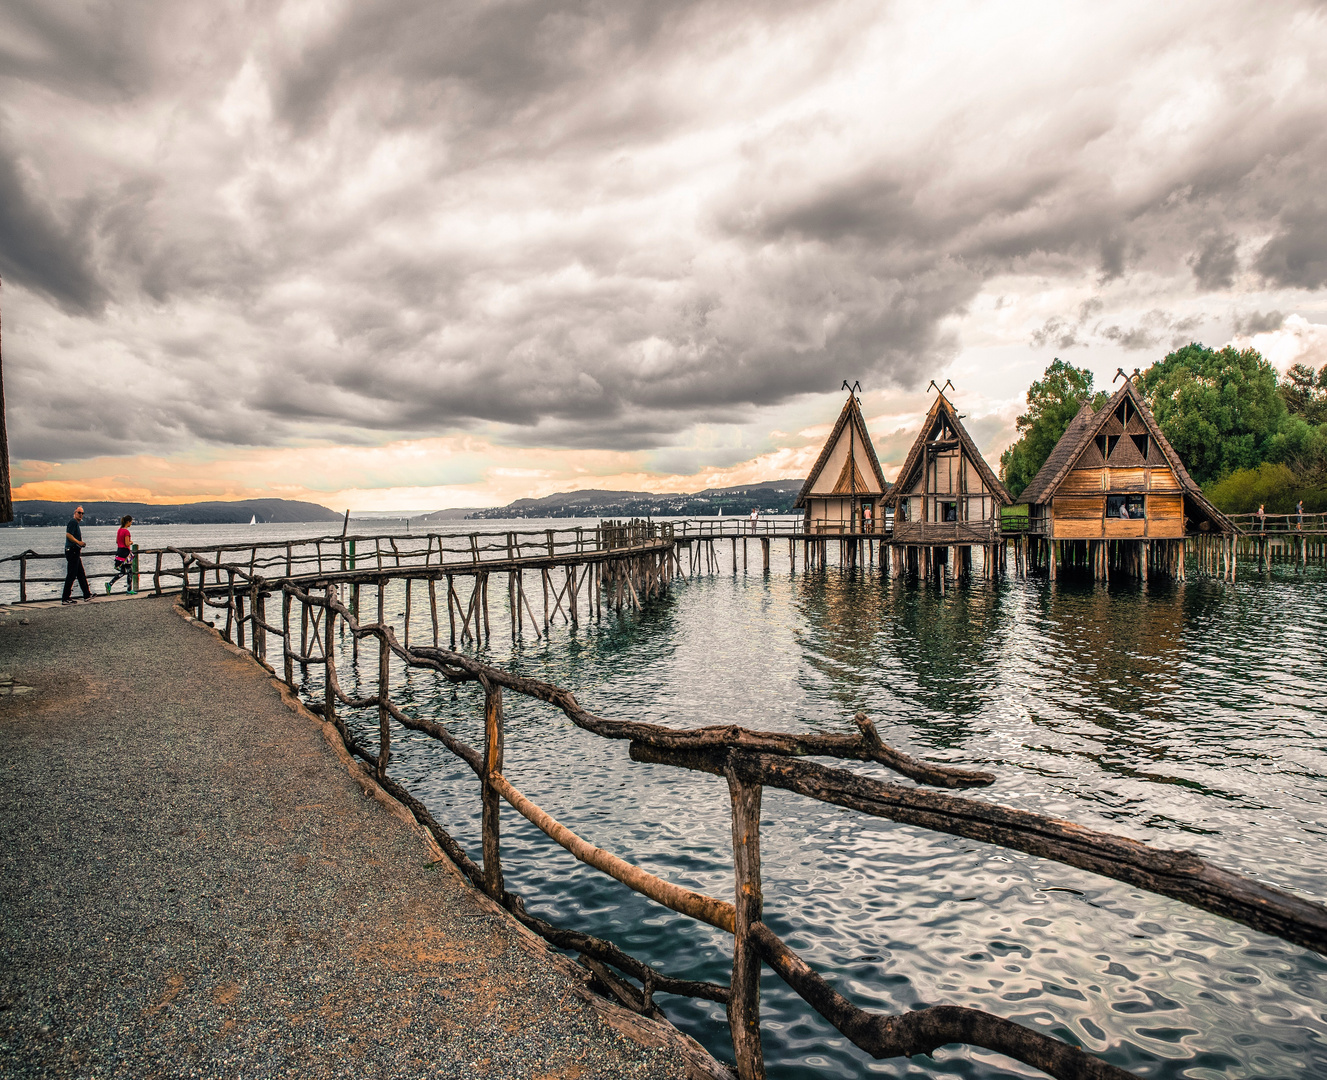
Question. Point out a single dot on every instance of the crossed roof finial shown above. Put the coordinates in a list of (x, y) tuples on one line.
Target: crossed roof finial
[(941, 389)]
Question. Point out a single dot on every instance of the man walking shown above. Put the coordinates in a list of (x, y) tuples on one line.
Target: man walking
[(74, 544)]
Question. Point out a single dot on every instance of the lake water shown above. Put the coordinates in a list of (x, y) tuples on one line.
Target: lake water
[(1191, 716)]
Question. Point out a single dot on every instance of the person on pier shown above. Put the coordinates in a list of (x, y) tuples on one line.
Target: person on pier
[(124, 560), (74, 545)]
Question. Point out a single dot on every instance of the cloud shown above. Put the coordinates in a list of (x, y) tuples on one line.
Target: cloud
[(604, 227), (1153, 328), (1292, 340), (38, 249), (1297, 255), (1257, 322), (1216, 263), (1057, 332)]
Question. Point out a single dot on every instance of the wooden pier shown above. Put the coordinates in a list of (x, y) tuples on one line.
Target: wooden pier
[(571, 574), (1282, 538)]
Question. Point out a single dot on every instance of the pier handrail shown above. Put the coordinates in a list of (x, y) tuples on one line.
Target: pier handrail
[(750, 760), (317, 555), (1280, 524)]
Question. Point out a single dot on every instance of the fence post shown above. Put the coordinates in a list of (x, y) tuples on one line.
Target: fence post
[(384, 717), (329, 695), (285, 637), (493, 740), (258, 611), (133, 578), (22, 579), (744, 1004), (230, 604)]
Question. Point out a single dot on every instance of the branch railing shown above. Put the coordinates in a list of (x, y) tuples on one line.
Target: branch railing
[(750, 761)]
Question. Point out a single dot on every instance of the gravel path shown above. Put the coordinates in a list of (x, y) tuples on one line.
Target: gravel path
[(191, 884)]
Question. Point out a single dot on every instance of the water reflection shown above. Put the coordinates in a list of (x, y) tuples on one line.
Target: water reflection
[(1187, 715)]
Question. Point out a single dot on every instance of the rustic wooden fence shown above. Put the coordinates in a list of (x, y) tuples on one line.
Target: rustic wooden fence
[(750, 761), (1285, 538), (163, 569)]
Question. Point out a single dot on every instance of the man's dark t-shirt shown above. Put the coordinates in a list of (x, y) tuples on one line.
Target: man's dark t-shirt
[(77, 533)]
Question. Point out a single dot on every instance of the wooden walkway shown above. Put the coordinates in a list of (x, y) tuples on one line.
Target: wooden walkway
[(192, 883), (624, 556)]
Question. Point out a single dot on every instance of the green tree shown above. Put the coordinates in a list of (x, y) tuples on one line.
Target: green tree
[(1220, 409), (1305, 393), (1053, 402), (1274, 486)]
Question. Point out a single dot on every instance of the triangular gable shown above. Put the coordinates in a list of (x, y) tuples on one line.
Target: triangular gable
[(1087, 425), (1076, 438), (915, 458), (850, 480), (867, 475)]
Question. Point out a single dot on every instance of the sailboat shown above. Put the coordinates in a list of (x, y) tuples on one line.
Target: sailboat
[(253, 520)]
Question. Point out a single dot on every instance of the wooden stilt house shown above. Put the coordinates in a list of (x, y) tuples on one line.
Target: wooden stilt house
[(1114, 496), (946, 497), (845, 490)]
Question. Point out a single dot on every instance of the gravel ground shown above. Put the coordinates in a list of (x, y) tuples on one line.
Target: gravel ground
[(192, 885)]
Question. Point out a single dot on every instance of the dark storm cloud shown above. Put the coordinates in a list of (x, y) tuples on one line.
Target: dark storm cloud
[(46, 251), (1297, 255), (504, 55), (596, 225), (87, 50), (1216, 263), (1257, 322)]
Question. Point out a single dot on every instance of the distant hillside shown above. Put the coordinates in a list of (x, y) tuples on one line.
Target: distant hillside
[(456, 513), (35, 512), (771, 497)]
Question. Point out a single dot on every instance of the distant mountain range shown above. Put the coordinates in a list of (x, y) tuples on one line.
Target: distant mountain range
[(771, 497), (34, 512)]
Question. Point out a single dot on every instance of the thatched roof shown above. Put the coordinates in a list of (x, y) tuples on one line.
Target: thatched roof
[(851, 414), (1084, 428), (915, 459)]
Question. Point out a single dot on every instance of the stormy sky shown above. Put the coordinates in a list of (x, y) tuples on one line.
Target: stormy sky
[(425, 254)]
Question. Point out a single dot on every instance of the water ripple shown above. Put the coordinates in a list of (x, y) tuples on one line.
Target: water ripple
[(1188, 716)]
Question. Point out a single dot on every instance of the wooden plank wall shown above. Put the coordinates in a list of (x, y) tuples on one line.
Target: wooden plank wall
[(1079, 512)]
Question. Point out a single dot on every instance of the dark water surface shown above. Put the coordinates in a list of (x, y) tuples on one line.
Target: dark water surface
[(1191, 716)]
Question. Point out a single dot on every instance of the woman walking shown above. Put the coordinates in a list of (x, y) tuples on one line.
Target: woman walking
[(124, 560)]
